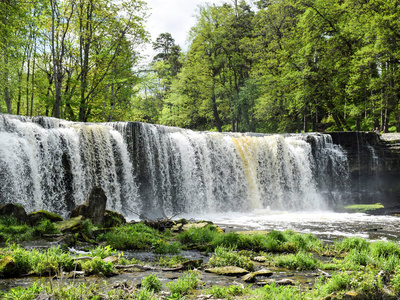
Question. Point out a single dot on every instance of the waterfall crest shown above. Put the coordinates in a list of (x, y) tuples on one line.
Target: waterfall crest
[(52, 164)]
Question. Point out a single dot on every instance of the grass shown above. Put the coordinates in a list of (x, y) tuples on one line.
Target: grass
[(184, 284), (227, 257)]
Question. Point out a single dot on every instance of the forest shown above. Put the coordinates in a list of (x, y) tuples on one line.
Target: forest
[(265, 66)]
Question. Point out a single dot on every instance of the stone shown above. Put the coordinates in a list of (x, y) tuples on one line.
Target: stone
[(228, 271), (111, 259), (94, 207), (252, 276), (8, 266), (260, 259), (15, 210), (113, 219), (36, 217), (68, 239), (277, 282), (72, 225)]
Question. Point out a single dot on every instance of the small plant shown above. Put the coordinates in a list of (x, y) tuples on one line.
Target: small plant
[(227, 257), (171, 261), (97, 266), (45, 226), (103, 252), (162, 247), (348, 244), (152, 283), (227, 292), (384, 249), (299, 261), (88, 228), (184, 284)]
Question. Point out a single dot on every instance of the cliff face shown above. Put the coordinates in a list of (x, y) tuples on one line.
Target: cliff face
[(374, 163)]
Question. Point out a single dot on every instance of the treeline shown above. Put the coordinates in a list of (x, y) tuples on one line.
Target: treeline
[(71, 59), (287, 66), (263, 66)]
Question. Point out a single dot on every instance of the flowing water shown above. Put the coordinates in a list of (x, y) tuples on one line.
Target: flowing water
[(249, 180)]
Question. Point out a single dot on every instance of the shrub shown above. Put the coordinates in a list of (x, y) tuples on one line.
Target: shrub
[(152, 283), (162, 247), (45, 226), (173, 261), (97, 266), (227, 292)]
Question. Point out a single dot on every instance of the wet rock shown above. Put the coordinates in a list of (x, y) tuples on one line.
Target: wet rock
[(111, 259), (36, 217), (277, 282), (113, 219), (15, 210), (228, 271), (252, 276), (72, 225), (353, 296), (260, 259), (68, 239), (94, 207), (8, 266)]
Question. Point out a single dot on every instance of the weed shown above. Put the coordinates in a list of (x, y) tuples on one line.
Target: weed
[(173, 261), (152, 283), (298, 261), (384, 249), (162, 247), (184, 284), (348, 244), (227, 257)]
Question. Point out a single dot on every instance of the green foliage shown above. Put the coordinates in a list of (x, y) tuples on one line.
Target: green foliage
[(132, 236), (298, 261), (152, 283), (97, 266), (88, 227), (227, 257), (223, 292), (171, 261), (384, 249), (348, 244), (45, 226), (103, 252), (162, 247), (198, 235), (184, 284)]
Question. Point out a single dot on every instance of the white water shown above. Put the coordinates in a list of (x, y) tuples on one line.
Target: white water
[(52, 164), (327, 225)]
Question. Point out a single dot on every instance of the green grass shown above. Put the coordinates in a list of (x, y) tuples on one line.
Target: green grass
[(152, 283), (184, 284), (227, 257), (299, 261)]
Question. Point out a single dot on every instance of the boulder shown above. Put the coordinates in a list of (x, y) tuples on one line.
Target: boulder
[(228, 271), (15, 210), (260, 259), (36, 217), (113, 219), (8, 266), (252, 276), (94, 207), (72, 225), (277, 282)]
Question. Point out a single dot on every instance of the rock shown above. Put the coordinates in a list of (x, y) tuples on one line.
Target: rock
[(277, 282), (36, 217), (72, 225), (15, 210), (111, 259), (8, 266), (178, 227), (113, 219), (252, 276), (260, 259), (94, 207), (228, 271), (353, 295), (68, 239)]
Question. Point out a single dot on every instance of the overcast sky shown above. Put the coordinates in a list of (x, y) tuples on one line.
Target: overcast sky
[(173, 16)]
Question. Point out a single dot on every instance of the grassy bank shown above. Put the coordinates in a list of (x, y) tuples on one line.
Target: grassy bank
[(352, 266)]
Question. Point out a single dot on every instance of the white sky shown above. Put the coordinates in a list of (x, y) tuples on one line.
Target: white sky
[(173, 16)]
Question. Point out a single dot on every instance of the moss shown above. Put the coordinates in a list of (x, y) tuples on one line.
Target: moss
[(363, 208), (72, 225), (36, 217)]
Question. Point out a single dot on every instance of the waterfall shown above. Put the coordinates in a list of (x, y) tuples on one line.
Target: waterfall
[(51, 164)]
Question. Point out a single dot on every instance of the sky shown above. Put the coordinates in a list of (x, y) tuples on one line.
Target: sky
[(173, 16)]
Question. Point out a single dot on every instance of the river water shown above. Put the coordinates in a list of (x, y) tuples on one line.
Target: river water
[(326, 225)]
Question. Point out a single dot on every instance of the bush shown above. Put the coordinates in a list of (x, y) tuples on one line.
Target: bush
[(198, 236), (227, 292), (384, 249), (227, 257), (45, 226), (348, 244), (162, 247), (152, 283)]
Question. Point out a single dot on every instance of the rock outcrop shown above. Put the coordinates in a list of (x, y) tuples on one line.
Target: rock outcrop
[(94, 207)]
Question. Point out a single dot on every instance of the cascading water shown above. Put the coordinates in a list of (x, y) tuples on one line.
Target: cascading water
[(52, 164)]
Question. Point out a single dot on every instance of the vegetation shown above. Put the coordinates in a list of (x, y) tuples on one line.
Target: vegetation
[(363, 208), (287, 65), (370, 269)]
